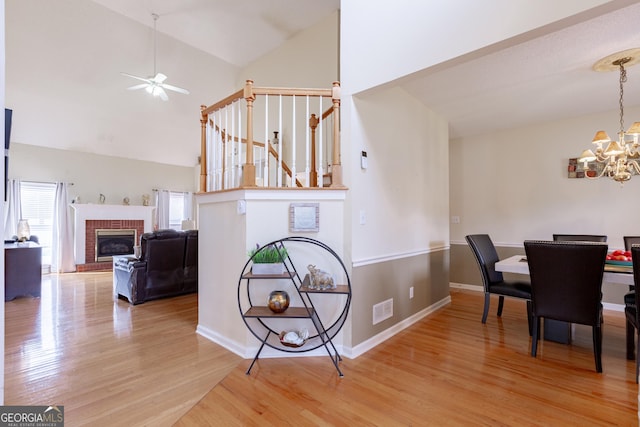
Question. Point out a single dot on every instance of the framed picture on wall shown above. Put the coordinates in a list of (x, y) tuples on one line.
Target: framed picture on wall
[(304, 217)]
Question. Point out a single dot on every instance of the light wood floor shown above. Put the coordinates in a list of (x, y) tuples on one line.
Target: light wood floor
[(109, 363), (113, 364)]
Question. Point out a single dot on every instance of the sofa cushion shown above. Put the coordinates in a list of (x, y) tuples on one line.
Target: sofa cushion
[(191, 262)]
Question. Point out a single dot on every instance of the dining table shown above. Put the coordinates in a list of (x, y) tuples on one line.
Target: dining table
[(615, 273)]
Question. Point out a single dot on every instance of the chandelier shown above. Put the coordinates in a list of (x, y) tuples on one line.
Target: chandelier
[(616, 159)]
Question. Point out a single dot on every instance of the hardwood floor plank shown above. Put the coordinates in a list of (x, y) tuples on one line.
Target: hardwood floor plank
[(447, 369), (111, 363), (107, 362)]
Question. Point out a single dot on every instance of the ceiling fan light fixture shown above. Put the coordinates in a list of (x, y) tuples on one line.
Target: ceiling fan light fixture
[(155, 85)]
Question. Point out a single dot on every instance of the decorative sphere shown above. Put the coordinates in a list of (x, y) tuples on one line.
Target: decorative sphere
[(278, 301)]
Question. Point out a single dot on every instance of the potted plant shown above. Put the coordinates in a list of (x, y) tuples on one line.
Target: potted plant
[(268, 259)]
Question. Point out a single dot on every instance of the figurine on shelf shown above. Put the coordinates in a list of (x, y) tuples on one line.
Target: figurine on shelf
[(146, 199), (320, 279), (102, 199)]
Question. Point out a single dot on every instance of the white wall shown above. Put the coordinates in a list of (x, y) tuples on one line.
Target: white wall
[(93, 174), (514, 186), (223, 255), (309, 59), (64, 60), (404, 192), (383, 41)]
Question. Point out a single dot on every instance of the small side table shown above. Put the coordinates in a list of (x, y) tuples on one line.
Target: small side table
[(22, 270)]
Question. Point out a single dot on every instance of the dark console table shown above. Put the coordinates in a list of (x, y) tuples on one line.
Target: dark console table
[(22, 270)]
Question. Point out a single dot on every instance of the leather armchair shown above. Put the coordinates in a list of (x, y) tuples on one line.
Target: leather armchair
[(168, 266)]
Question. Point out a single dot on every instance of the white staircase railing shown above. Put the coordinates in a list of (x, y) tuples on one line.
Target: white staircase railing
[(304, 151)]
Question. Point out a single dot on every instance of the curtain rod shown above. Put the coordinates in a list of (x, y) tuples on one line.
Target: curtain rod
[(45, 182), (172, 191)]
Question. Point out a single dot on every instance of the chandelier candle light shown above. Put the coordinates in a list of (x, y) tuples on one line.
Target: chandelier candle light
[(620, 158)]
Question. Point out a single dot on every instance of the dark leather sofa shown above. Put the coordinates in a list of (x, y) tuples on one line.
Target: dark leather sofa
[(168, 266)]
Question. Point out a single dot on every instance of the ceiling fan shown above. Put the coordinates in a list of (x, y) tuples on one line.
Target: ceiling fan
[(155, 85)]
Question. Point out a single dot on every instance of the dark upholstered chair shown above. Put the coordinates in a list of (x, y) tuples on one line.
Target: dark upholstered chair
[(561, 331), (631, 311), (168, 266), (579, 238), (630, 241), (566, 285), (492, 280)]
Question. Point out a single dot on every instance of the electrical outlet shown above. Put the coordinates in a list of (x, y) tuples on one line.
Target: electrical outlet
[(411, 292)]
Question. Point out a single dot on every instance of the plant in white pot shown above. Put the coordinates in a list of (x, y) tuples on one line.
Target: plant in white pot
[(268, 259)]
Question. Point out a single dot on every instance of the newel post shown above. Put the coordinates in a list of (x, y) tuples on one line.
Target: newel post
[(249, 169), (203, 149), (336, 165)]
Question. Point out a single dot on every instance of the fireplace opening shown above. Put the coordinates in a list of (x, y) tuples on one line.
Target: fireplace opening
[(110, 242)]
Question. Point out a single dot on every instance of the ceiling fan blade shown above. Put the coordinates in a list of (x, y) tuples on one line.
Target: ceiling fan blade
[(161, 93), (175, 88), (140, 86), (159, 78), (136, 77)]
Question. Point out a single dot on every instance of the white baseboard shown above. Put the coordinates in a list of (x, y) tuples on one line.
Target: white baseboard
[(249, 352), (475, 288), (605, 305), (353, 352)]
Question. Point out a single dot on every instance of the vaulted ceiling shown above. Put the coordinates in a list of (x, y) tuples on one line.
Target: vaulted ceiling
[(545, 77), (542, 76)]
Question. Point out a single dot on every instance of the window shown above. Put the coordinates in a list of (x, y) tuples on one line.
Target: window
[(37, 200), (176, 210)]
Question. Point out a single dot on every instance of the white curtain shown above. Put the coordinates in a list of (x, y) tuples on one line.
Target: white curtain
[(12, 209), (162, 209), (188, 201), (62, 256)]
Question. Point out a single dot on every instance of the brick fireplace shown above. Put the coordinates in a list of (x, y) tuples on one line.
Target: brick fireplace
[(89, 217), (91, 226)]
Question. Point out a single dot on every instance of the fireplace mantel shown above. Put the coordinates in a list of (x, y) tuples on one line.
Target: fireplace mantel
[(84, 212)]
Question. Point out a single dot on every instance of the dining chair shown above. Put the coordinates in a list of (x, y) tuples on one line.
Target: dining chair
[(579, 238), (629, 241), (493, 282), (566, 285), (553, 329), (631, 312)]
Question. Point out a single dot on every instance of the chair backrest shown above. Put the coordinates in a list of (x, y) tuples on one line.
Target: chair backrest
[(566, 279), (630, 241), (635, 255), (579, 238), (486, 257)]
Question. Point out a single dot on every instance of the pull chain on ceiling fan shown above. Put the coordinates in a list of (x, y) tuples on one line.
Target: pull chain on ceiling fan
[(155, 85)]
